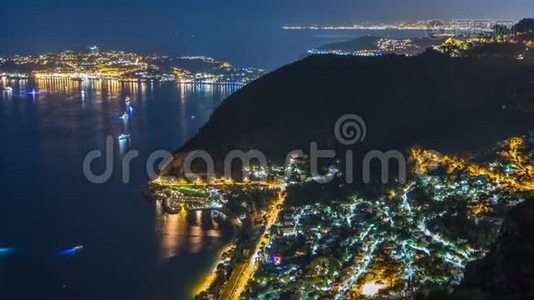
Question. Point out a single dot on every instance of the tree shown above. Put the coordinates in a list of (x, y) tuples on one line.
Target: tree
[(524, 26)]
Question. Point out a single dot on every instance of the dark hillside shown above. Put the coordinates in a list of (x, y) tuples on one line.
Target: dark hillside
[(430, 99)]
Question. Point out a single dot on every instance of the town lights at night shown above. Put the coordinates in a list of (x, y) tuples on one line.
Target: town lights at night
[(371, 288), (248, 150)]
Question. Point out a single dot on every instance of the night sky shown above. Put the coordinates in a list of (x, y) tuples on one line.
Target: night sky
[(187, 27)]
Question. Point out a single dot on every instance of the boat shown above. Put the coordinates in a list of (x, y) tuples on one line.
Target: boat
[(72, 251), (6, 250), (125, 116), (78, 248), (127, 100), (124, 137), (8, 89), (171, 207)]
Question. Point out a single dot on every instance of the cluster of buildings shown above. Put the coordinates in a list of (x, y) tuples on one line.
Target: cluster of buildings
[(519, 46), (395, 241), (92, 63), (397, 45), (401, 240), (365, 52), (473, 38), (419, 25), (380, 46)]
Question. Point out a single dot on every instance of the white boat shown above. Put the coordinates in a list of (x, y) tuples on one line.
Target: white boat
[(127, 100), (72, 251), (8, 89), (78, 248), (124, 137)]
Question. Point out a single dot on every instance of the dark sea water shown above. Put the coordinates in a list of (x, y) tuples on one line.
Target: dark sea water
[(131, 251), (271, 48), (267, 47)]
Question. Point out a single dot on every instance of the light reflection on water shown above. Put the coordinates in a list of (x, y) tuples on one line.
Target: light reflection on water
[(187, 232), (132, 250), (172, 234)]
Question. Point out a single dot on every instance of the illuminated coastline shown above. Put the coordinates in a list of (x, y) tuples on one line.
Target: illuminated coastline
[(396, 251), (421, 25), (94, 64)]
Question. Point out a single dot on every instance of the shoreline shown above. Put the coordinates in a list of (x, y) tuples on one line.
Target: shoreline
[(205, 282)]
